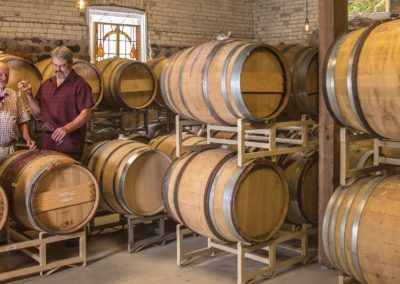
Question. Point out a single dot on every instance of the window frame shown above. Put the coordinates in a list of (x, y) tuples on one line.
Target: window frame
[(116, 15)]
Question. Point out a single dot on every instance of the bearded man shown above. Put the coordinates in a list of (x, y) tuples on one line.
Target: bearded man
[(63, 103)]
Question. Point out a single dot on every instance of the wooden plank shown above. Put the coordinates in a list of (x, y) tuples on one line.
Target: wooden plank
[(332, 23), (64, 197), (136, 85)]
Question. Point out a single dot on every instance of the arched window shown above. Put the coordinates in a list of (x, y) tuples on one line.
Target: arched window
[(116, 32)]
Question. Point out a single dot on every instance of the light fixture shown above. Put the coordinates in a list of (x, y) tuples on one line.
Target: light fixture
[(306, 22), (82, 6)]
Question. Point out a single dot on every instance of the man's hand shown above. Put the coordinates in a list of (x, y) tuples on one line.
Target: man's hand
[(31, 144), (25, 86), (59, 134)]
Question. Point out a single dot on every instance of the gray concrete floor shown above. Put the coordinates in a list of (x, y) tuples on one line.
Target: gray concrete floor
[(109, 262)]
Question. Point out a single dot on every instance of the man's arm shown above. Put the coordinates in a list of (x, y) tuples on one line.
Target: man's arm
[(24, 128), (79, 121), (34, 106)]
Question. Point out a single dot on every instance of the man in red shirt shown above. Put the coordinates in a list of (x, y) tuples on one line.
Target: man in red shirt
[(64, 104)]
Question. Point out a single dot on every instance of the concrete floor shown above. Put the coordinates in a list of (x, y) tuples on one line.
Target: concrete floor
[(109, 262)]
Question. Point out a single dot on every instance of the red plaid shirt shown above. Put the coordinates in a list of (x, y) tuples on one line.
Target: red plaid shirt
[(59, 106)]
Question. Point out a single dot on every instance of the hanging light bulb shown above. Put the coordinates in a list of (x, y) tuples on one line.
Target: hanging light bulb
[(306, 26), (306, 22), (81, 6)]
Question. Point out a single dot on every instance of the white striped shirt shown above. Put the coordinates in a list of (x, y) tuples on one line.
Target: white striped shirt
[(12, 114)]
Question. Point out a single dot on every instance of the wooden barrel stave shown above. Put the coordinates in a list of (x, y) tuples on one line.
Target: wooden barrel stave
[(303, 65), (3, 208), (301, 171), (167, 143), (157, 65)]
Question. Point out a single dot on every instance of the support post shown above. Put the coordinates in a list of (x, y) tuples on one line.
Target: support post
[(332, 23)]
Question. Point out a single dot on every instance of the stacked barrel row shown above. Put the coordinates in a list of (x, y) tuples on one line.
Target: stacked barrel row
[(120, 83), (361, 235), (116, 83), (217, 83)]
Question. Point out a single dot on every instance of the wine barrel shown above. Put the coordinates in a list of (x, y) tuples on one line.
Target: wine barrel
[(157, 129), (360, 157), (129, 174), (304, 68), (167, 143), (84, 69), (49, 191), (360, 231), (127, 84), (156, 65), (214, 197), (21, 69), (142, 138), (361, 80), (301, 171), (3, 208), (221, 81)]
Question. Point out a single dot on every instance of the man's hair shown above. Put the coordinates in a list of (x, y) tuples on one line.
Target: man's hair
[(64, 53), (4, 63)]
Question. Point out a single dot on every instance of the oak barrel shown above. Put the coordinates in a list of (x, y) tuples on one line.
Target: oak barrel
[(3, 208), (127, 84), (301, 171), (49, 191), (157, 129), (361, 235), (156, 65), (362, 80), (21, 69), (129, 174), (214, 197), (83, 68), (167, 143), (304, 69), (221, 81)]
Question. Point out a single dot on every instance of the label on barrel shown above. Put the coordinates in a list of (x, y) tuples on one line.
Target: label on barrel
[(66, 196)]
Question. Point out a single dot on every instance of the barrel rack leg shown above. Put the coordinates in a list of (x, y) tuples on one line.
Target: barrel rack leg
[(94, 229), (36, 248), (243, 251), (160, 237), (183, 258)]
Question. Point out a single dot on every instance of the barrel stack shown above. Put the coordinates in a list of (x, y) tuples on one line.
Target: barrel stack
[(361, 83)]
